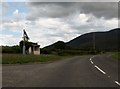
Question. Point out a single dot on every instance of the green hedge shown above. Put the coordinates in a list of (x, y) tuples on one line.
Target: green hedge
[(11, 49)]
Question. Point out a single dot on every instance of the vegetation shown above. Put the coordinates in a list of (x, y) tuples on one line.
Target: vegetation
[(16, 48), (11, 49), (104, 41), (58, 45), (82, 45), (20, 59), (75, 52), (116, 55), (60, 48)]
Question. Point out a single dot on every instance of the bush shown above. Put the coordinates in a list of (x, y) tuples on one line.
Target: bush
[(45, 51), (11, 49), (71, 52)]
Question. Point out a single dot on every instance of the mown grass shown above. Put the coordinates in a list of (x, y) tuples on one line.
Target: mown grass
[(116, 55), (21, 59)]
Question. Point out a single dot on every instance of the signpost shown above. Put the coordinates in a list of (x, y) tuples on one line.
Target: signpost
[(25, 38)]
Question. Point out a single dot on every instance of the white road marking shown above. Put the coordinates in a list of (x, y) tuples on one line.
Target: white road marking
[(117, 83), (100, 70), (91, 62), (90, 59)]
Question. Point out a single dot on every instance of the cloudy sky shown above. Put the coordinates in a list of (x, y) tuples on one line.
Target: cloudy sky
[(48, 22)]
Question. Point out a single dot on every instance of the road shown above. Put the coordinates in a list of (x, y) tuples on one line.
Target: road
[(80, 71)]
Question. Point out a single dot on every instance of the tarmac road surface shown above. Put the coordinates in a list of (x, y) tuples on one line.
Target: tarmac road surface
[(80, 71)]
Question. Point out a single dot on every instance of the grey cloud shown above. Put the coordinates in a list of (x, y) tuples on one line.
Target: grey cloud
[(54, 10), (64, 4), (74, 0), (62, 9), (106, 9), (60, 21)]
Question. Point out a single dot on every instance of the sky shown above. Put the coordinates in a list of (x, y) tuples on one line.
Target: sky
[(49, 22)]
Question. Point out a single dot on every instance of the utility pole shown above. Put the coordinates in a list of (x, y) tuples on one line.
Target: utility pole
[(94, 41), (25, 39), (23, 43)]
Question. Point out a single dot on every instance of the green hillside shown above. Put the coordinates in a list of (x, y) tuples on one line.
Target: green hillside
[(102, 40), (94, 41)]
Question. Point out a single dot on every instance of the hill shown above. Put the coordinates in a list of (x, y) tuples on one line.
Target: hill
[(103, 41), (100, 40)]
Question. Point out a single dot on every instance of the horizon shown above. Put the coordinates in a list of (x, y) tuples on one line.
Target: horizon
[(47, 23), (60, 40)]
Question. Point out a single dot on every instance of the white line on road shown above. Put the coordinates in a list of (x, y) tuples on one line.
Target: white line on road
[(90, 59), (100, 69), (91, 62), (117, 83)]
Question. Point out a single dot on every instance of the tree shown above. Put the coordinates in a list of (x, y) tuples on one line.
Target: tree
[(60, 45)]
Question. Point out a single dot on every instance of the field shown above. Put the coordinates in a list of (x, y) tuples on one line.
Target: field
[(20, 59)]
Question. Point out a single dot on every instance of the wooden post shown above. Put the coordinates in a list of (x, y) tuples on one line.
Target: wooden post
[(94, 42)]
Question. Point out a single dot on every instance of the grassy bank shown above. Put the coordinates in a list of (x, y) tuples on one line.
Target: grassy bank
[(116, 55), (21, 59)]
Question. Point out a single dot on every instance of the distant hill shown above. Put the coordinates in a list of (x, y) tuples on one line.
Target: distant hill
[(103, 40), (57, 45), (107, 40)]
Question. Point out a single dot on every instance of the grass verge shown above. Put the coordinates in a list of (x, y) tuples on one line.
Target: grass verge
[(116, 55), (21, 59)]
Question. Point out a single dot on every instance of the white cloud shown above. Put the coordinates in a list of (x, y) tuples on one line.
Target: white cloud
[(47, 30), (83, 18), (14, 23), (13, 0), (16, 12), (9, 39), (111, 23)]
